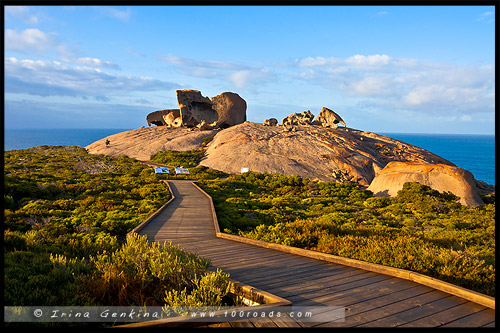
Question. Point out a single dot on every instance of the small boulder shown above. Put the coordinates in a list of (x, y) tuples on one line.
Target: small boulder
[(271, 122), (203, 126)]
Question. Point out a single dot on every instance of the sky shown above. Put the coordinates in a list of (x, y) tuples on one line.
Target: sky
[(384, 69)]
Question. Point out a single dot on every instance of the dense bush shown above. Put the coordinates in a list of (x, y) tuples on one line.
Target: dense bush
[(421, 229), (176, 158), (66, 218), (141, 273)]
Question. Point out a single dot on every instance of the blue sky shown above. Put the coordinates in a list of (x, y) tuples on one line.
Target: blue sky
[(407, 69)]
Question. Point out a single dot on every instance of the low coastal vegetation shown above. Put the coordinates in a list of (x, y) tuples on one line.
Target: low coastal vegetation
[(186, 159), (67, 215), (176, 158), (420, 230)]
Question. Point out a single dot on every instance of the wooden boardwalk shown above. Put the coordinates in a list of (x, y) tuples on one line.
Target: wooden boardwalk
[(370, 299)]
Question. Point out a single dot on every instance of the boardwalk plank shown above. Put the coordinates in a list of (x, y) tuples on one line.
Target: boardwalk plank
[(450, 315), (370, 318), (380, 287)]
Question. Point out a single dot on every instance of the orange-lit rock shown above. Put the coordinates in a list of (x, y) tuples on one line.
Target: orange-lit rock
[(440, 177)]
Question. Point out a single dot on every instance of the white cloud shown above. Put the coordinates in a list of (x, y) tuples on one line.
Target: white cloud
[(123, 15), (368, 61), (53, 78), (243, 76), (488, 17), (95, 62), (403, 83), (317, 61), (207, 64), (247, 78), (28, 39), (113, 12), (369, 86), (34, 40), (22, 13)]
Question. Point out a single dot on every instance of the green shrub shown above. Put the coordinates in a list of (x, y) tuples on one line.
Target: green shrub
[(206, 140), (186, 159), (421, 229), (41, 279), (209, 289), (140, 273)]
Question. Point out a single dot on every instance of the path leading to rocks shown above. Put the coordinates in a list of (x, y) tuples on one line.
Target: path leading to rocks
[(370, 299)]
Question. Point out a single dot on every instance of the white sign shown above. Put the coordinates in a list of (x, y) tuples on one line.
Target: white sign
[(161, 170)]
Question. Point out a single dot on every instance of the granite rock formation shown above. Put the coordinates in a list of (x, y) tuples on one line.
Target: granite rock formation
[(328, 118), (168, 117), (230, 108), (310, 151), (316, 149), (195, 108), (440, 177), (143, 142), (303, 118), (271, 122), (196, 111)]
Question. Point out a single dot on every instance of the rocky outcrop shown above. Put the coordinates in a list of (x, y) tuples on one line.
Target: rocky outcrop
[(441, 177), (303, 118), (143, 142), (196, 111), (314, 152), (310, 151), (173, 118), (168, 117), (230, 108), (328, 118), (271, 122), (195, 108)]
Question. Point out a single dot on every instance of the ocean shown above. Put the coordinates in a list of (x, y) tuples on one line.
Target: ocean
[(475, 153), (27, 138)]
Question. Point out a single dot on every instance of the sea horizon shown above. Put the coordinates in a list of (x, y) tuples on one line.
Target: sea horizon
[(455, 148)]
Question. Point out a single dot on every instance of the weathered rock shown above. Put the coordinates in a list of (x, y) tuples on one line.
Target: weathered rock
[(173, 118), (158, 117), (309, 151), (303, 118), (222, 111), (203, 126), (143, 142), (328, 118), (271, 122), (231, 109), (441, 177), (194, 108)]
